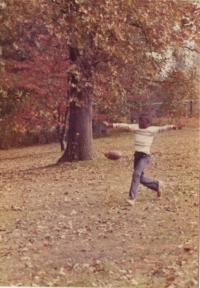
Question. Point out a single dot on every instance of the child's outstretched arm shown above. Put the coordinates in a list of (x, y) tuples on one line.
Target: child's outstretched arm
[(164, 128), (126, 126)]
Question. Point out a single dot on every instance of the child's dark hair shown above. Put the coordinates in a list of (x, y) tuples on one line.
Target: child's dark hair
[(144, 121)]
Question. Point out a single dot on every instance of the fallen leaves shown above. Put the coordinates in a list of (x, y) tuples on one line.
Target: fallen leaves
[(16, 208), (73, 212), (78, 212)]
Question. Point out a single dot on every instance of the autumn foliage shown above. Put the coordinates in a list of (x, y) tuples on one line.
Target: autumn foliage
[(125, 53), (34, 79)]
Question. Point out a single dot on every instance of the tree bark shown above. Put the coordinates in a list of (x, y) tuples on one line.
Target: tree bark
[(79, 137), (79, 143)]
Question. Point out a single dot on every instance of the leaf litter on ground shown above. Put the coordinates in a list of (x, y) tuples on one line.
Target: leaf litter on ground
[(54, 218)]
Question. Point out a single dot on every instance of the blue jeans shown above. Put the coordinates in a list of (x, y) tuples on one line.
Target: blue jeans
[(141, 160)]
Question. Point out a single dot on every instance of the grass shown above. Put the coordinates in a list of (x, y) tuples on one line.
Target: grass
[(69, 225)]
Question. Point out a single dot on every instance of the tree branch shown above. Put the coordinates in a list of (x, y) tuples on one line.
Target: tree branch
[(192, 49)]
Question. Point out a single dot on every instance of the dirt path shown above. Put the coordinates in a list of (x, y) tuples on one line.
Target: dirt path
[(69, 225)]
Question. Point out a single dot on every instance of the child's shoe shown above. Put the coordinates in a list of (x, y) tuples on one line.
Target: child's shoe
[(131, 202)]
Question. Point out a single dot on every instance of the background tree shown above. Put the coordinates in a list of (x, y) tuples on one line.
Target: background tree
[(34, 67), (117, 50)]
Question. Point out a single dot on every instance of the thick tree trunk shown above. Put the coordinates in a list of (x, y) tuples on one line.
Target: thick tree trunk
[(79, 138), (79, 144)]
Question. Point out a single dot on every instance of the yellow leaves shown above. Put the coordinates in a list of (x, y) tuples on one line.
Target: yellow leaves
[(119, 33), (73, 69), (19, 94), (81, 1)]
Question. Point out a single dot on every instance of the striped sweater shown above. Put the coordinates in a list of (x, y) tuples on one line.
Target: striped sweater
[(143, 137)]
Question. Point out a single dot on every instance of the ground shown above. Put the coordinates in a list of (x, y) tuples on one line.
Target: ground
[(70, 225)]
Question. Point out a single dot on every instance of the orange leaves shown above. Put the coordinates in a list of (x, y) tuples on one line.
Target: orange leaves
[(114, 38), (35, 64)]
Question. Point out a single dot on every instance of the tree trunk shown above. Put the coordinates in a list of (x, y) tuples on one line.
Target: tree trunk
[(62, 127), (79, 144), (79, 137)]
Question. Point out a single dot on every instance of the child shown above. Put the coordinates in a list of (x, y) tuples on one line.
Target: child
[(144, 135)]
